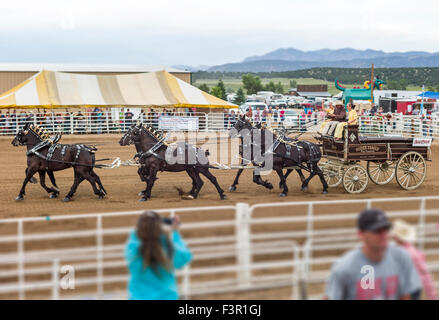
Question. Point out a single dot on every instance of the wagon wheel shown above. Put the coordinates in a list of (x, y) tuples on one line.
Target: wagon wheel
[(355, 179), (332, 176), (411, 170), (381, 172)]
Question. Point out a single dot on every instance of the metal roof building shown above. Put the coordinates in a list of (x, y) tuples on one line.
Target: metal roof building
[(12, 74)]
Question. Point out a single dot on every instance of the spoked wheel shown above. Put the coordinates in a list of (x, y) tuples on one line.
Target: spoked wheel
[(355, 179), (411, 170), (332, 176), (381, 172)]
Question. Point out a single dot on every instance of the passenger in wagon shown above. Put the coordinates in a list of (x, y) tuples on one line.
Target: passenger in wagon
[(352, 120), (338, 116), (329, 110)]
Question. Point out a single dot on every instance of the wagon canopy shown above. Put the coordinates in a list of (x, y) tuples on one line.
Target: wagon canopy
[(49, 89)]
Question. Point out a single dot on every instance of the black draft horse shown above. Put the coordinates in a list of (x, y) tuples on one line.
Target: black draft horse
[(152, 151), (286, 153), (80, 157)]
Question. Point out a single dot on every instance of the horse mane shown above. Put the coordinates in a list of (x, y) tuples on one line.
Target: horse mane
[(264, 127), (155, 133)]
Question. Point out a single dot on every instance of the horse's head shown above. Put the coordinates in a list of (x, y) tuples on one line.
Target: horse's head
[(242, 122), (132, 135), (28, 134)]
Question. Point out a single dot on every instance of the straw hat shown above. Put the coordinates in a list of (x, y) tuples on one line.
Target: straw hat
[(403, 231), (339, 103)]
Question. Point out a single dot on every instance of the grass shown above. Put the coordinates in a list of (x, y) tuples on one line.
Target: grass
[(233, 84)]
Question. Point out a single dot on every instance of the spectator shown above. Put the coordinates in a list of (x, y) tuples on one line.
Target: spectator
[(232, 118), (282, 114), (257, 115), (276, 115), (80, 123), (404, 235), (128, 119), (375, 270), (153, 251)]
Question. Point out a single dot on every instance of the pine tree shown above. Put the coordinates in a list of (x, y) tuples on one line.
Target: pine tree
[(240, 97)]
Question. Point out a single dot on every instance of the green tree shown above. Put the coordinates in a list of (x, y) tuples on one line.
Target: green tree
[(204, 87), (392, 85), (251, 83), (215, 91), (293, 84), (270, 86), (222, 88), (403, 83), (240, 97), (279, 88)]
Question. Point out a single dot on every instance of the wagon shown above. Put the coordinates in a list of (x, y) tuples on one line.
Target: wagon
[(387, 157)]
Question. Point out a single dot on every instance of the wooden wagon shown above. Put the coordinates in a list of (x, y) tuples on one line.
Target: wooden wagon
[(386, 156)]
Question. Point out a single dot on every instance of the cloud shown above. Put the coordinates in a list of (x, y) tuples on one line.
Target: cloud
[(207, 32)]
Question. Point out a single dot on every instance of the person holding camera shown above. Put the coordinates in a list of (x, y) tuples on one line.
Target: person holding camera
[(153, 251)]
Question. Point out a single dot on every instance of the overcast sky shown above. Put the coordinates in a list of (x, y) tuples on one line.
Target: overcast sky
[(196, 32)]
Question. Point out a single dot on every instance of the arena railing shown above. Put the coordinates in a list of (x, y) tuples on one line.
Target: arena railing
[(111, 121), (240, 252)]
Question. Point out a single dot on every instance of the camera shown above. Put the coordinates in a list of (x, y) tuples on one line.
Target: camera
[(168, 221)]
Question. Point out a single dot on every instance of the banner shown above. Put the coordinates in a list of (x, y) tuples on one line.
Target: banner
[(170, 123)]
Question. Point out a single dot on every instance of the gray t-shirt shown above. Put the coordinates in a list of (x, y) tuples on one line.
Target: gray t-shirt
[(355, 277)]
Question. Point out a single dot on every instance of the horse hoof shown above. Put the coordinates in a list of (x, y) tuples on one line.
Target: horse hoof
[(67, 199), (324, 192), (19, 198), (304, 189), (269, 186), (283, 195), (223, 197), (141, 193), (53, 196), (188, 197), (232, 188), (101, 197), (143, 199)]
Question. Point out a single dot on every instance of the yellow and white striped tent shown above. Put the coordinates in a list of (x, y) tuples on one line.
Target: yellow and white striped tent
[(49, 89)]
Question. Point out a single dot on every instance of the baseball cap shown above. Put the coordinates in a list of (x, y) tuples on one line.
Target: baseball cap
[(373, 220)]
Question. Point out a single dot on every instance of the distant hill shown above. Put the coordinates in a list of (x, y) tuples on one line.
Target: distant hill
[(294, 59)]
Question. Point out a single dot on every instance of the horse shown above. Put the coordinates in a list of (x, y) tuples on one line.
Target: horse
[(44, 155), (152, 151), (286, 153)]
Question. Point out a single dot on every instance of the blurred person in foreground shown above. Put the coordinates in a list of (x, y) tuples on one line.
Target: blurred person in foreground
[(153, 251), (376, 270), (404, 235)]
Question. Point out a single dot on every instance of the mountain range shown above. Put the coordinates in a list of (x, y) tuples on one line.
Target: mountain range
[(287, 59)]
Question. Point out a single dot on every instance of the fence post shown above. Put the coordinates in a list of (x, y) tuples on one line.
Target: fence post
[(421, 237), (20, 249), (186, 283), (243, 244), (71, 123), (55, 279), (107, 121), (99, 256)]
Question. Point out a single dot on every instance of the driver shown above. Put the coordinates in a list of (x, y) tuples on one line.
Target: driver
[(338, 116), (352, 120)]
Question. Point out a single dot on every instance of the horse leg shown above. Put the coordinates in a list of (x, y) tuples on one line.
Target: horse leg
[(29, 174), (322, 179), (33, 179), (235, 182), (307, 180), (199, 183), (76, 182), (98, 181), (87, 175), (53, 192), (194, 181), (212, 178), (150, 179), (282, 182), (52, 180), (258, 180)]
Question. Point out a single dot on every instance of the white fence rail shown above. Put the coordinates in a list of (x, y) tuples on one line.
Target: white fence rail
[(110, 121), (238, 248)]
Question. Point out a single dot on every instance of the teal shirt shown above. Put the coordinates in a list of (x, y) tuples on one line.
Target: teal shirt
[(143, 283)]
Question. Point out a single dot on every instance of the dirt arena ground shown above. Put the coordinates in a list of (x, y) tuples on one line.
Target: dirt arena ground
[(123, 185)]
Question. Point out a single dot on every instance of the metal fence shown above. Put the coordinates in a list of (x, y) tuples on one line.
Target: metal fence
[(110, 121), (238, 248)]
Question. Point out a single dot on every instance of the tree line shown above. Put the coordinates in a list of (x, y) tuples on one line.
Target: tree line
[(395, 77)]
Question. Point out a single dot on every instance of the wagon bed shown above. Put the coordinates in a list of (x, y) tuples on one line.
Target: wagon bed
[(386, 157)]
